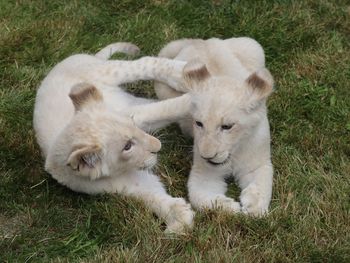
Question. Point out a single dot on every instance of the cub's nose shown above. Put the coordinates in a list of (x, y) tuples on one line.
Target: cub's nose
[(155, 145)]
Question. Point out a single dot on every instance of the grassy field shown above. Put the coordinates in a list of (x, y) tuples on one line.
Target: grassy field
[(307, 51)]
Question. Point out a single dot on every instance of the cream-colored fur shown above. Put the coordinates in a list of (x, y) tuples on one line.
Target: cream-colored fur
[(229, 85), (91, 132)]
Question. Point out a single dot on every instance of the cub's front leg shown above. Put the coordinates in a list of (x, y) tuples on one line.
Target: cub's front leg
[(117, 72), (146, 186), (207, 188), (256, 190), (155, 115)]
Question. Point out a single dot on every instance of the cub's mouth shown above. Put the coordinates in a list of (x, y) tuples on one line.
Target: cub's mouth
[(221, 163), (149, 162)]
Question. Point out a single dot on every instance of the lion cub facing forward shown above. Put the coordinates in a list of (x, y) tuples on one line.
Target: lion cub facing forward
[(229, 85), (83, 124)]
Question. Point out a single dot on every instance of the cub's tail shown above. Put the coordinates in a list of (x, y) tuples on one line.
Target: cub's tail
[(120, 47)]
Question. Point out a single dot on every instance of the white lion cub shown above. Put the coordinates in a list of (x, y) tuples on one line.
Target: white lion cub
[(92, 145), (229, 85)]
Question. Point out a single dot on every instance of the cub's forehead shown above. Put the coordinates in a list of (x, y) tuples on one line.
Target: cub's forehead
[(113, 116), (219, 94), (212, 102), (106, 121), (126, 126), (216, 108), (122, 119)]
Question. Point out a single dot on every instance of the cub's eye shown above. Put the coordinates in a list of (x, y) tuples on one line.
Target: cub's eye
[(227, 126), (199, 124), (128, 145)]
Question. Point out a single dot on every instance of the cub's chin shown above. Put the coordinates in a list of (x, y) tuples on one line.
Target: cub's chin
[(149, 162)]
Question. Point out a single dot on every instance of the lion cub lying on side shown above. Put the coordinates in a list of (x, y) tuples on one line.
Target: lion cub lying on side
[(90, 142), (229, 85)]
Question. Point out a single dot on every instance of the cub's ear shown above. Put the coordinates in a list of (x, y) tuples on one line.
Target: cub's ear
[(195, 71), (83, 94), (87, 160), (260, 84)]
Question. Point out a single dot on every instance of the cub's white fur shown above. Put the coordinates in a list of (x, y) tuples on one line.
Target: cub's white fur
[(230, 125), (89, 132)]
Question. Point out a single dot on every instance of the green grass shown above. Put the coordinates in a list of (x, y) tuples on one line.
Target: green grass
[(307, 51)]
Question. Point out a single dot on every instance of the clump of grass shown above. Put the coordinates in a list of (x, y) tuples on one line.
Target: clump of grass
[(307, 50)]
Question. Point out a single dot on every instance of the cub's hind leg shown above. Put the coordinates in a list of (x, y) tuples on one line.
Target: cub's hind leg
[(171, 50), (164, 91), (248, 51)]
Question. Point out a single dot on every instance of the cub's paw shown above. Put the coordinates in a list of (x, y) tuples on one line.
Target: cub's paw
[(125, 47), (227, 204), (180, 217), (253, 202), (131, 49)]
